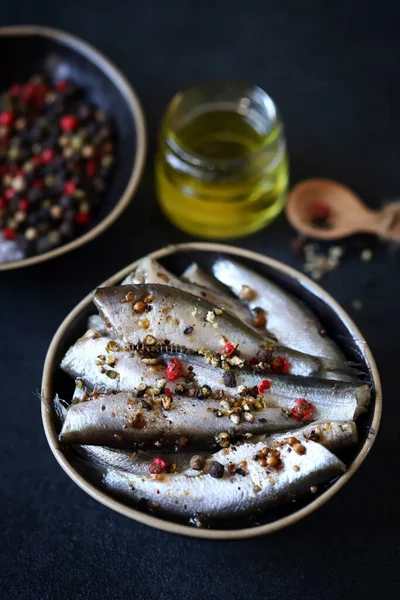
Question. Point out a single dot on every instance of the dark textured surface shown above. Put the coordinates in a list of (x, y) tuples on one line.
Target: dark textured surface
[(333, 69)]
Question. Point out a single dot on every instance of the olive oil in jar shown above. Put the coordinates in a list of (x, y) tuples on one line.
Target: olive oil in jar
[(221, 166)]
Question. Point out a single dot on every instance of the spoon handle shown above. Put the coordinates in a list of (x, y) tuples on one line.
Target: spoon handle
[(390, 222)]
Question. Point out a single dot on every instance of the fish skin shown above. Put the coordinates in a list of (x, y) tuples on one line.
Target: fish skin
[(137, 462), (333, 435), (121, 421), (331, 399), (185, 494), (150, 271), (95, 322), (182, 310), (196, 275), (290, 321)]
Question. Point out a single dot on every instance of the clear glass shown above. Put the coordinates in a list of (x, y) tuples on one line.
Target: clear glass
[(221, 165)]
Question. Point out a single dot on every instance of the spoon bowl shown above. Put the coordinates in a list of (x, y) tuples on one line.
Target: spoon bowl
[(346, 213)]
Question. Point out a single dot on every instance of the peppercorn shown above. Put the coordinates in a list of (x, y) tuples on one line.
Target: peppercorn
[(204, 392), (216, 470), (259, 321), (292, 440), (229, 379), (299, 448), (197, 462), (247, 293), (273, 461), (139, 306)]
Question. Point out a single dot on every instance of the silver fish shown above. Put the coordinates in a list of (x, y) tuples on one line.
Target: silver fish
[(122, 420), (333, 435), (196, 275), (192, 323), (135, 461), (106, 367), (289, 320), (95, 322), (254, 487), (150, 271)]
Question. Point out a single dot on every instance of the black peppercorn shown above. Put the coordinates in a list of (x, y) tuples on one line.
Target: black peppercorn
[(216, 470), (229, 379)]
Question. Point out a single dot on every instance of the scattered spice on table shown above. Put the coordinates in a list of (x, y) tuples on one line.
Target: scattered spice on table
[(318, 264), (56, 155)]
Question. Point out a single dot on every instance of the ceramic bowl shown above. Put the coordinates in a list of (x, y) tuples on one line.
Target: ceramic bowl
[(31, 50), (339, 327)]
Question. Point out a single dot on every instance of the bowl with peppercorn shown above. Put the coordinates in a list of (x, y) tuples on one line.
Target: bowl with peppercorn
[(246, 460), (67, 116)]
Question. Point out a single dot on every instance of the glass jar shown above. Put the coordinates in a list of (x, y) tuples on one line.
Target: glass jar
[(221, 165)]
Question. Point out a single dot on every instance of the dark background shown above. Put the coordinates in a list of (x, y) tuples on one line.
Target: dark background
[(333, 69)]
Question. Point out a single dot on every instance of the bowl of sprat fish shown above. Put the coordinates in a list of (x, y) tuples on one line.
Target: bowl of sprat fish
[(210, 391)]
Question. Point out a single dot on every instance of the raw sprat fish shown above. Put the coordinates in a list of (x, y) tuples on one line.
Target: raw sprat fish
[(150, 271), (334, 435), (288, 319), (259, 477), (181, 400), (154, 314), (108, 367), (122, 420)]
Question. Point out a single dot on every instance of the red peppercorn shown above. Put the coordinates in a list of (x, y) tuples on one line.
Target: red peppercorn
[(228, 349), (83, 218), (253, 361), (158, 466), (280, 364), (61, 85), (9, 234), (27, 91), (23, 204), (265, 384), (174, 369), (91, 168), (69, 188), (320, 211), (303, 410), (3, 202), (47, 155), (9, 193), (168, 393), (6, 118), (68, 123), (37, 184)]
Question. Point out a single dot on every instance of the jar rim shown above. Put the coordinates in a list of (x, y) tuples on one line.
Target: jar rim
[(246, 93)]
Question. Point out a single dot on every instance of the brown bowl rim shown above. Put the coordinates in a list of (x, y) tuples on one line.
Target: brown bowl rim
[(120, 81), (171, 527)]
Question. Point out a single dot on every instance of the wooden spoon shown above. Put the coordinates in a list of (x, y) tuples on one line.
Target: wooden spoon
[(346, 214)]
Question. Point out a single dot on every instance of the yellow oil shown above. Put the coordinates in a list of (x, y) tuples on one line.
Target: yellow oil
[(218, 176)]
